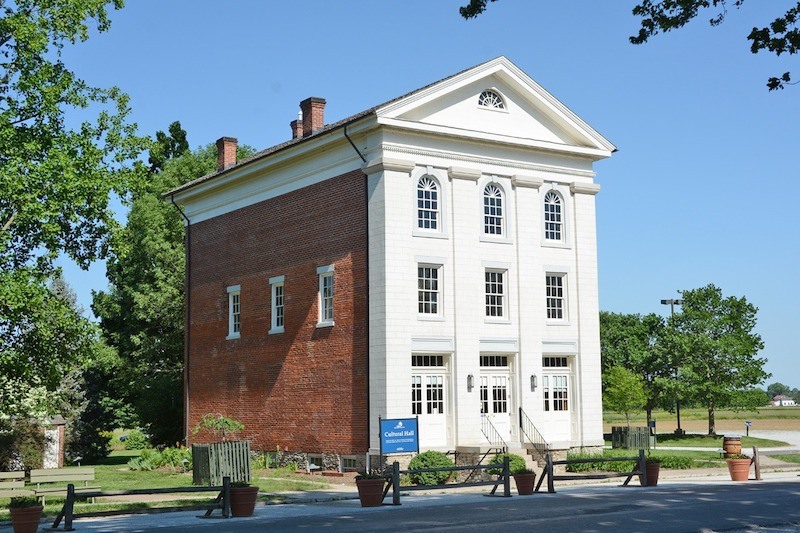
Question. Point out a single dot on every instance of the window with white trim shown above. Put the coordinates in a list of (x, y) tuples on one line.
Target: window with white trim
[(493, 210), (277, 306), (428, 204), (325, 296), (555, 392), (428, 289), (234, 312), (491, 99), (554, 286), (495, 293), (553, 217)]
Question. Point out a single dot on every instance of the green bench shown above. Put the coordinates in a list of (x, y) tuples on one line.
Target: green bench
[(12, 484), (62, 475)]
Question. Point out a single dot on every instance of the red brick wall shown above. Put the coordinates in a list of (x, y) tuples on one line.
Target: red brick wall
[(305, 389)]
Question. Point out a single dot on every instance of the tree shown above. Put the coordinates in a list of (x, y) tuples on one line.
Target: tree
[(632, 341), (624, 392), (713, 337), (778, 388), (142, 314), (780, 36), (55, 188)]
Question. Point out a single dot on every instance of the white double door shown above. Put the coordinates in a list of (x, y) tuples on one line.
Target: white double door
[(429, 401), (496, 401)]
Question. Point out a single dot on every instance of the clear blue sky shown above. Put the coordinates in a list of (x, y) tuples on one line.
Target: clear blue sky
[(705, 185)]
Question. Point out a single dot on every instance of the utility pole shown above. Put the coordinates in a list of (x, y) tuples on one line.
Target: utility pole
[(672, 303)]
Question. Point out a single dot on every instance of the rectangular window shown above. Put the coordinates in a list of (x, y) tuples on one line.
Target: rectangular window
[(325, 296), (234, 312), (428, 292), (484, 394), (546, 392), (435, 395), (277, 297), (495, 294), (555, 296), (555, 392), (416, 395)]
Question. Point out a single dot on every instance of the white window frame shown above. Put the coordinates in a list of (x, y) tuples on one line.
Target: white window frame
[(503, 296), (442, 224), (436, 213), (564, 196), (562, 297), (277, 291), (234, 312), (503, 210), (438, 269), (503, 106), (326, 302), (557, 226)]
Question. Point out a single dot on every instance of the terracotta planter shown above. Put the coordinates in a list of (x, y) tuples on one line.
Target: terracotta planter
[(26, 519), (739, 469), (370, 491), (652, 470), (524, 483), (243, 500)]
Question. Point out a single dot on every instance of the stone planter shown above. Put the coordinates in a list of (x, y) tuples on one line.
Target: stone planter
[(26, 519), (370, 491), (524, 483), (739, 469), (243, 500)]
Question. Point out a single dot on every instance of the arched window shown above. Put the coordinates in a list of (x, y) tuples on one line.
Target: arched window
[(492, 210), (428, 208), (553, 217), (491, 99)]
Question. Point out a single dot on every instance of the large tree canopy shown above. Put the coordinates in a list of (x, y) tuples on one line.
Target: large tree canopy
[(717, 350), (780, 36), (56, 182)]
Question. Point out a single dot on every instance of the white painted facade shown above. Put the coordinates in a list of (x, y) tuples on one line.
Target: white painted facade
[(530, 147)]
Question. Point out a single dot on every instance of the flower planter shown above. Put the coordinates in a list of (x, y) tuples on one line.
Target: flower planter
[(524, 483), (26, 519), (739, 469), (370, 491), (243, 500), (652, 469)]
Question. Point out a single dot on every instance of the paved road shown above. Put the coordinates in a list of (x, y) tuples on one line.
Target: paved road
[(708, 505)]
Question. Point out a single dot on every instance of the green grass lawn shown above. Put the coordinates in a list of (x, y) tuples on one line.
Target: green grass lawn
[(112, 473), (787, 457), (765, 413)]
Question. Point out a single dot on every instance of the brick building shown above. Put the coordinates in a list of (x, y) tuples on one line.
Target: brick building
[(434, 256)]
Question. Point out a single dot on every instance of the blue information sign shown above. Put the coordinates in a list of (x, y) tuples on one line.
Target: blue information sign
[(399, 435)]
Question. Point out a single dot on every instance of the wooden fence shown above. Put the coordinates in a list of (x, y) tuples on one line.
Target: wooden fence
[(212, 462), (635, 438)]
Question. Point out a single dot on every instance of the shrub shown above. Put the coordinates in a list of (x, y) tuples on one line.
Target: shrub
[(136, 440), (174, 458), (148, 460), (516, 463), (676, 462), (430, 459), (614, 466), (21, 446)]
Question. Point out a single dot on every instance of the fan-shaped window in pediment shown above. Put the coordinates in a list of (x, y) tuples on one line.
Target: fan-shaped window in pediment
[(491, 99)]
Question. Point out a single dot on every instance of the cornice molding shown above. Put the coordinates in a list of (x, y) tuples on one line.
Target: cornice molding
[(461, 173), (584, 188), (382, 164), (461, 158), (519, 180)]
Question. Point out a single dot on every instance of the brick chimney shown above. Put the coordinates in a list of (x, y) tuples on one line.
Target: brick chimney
[(226, 153), (313, 110), (297, 126)]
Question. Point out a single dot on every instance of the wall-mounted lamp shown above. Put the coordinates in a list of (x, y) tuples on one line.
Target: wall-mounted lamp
[(534, 382), (470, 382)]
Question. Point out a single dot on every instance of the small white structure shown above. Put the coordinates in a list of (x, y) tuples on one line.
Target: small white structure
[(783, 401)]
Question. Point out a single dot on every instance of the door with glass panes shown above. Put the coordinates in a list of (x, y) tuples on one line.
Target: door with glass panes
[(429, 398), (557, 398), (495, 393)]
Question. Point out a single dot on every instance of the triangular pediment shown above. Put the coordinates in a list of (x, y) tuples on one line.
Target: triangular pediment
[(529, 115)]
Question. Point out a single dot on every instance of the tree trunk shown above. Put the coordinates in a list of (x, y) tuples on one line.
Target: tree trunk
[(649, 411), (711, 429)]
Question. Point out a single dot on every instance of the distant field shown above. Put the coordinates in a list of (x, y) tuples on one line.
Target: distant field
[(696, 420)]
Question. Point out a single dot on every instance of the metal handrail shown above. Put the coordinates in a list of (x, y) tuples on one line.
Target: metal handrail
[(532, 434), (491, 433)]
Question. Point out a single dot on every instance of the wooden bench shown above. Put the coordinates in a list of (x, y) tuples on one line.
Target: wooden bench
[(62, 475), (12, 484)]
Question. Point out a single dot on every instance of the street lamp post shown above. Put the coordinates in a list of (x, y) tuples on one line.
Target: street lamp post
[(672, 303)]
